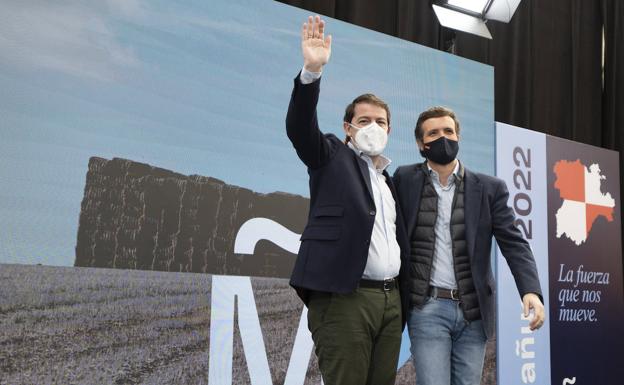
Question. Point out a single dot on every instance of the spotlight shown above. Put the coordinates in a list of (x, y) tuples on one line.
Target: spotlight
[(472, 15)]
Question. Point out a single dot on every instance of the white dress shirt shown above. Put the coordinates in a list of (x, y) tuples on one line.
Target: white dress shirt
[(384, 253)]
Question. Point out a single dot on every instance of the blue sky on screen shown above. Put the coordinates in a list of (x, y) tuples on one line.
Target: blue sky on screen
[(197, 87)]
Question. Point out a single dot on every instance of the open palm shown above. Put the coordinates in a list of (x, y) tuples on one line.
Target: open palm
[(316, 47)]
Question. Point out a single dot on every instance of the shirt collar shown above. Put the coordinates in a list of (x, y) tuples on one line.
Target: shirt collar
[(384, 161), (455, 172)]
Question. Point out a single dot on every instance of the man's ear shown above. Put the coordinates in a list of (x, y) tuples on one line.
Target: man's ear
[(389, 129), (346, 128), (420, 144)]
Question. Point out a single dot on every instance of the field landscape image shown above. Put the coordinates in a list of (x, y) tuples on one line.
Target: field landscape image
[(74, 325), (67, 325)]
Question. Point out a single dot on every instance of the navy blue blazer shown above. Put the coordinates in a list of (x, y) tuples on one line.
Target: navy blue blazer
[(335, 242), (487, 214)]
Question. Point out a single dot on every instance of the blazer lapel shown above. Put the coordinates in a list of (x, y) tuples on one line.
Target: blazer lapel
[(390, 184), (472, 208), (412, 200), (363, 167)]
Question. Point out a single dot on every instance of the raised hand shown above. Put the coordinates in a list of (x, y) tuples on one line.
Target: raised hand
[(316, 47)]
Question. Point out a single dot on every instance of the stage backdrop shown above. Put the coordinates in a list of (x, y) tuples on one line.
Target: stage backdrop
[(150, 202), (566, 197)]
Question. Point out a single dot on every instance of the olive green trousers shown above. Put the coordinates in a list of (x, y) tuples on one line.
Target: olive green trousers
[(357, 336)]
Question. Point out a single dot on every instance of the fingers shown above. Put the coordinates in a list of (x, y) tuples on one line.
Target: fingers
[(537, 321), (534, 324), (307, 30), (328, 40), (533, 303), (540, 315), (313, 28), (316, 27)]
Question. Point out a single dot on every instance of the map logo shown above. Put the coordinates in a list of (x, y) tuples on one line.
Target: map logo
[(583, 200)]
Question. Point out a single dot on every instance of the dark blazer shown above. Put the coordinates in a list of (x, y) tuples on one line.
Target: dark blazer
[(486, 214), (335, 242)]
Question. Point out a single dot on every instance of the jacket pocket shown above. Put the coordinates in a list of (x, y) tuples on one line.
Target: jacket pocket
[(322, 233), (328, 211)]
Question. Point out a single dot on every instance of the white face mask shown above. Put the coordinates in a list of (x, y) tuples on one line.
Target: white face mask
[(370, 139)]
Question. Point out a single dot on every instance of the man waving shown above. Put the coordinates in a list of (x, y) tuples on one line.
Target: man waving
[(350, 267)]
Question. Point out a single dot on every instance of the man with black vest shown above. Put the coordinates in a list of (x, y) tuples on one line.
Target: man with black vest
[(451, 215), (352, 258)]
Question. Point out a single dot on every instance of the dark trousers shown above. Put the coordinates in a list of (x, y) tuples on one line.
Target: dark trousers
[(357, 336)]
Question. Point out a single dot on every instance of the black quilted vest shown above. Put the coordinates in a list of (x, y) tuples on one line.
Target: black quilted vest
[(422, 244)]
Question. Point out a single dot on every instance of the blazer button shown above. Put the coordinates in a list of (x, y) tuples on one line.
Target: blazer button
[(372, 213), (367, 241)]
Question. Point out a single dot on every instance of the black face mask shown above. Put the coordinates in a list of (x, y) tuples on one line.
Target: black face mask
[(441, 151)]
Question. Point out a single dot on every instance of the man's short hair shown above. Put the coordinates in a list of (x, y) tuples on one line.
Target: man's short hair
[(364, 98), (434, 112)]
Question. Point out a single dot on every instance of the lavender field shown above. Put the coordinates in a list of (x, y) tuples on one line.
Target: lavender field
[(65, 325), (68, 325)]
